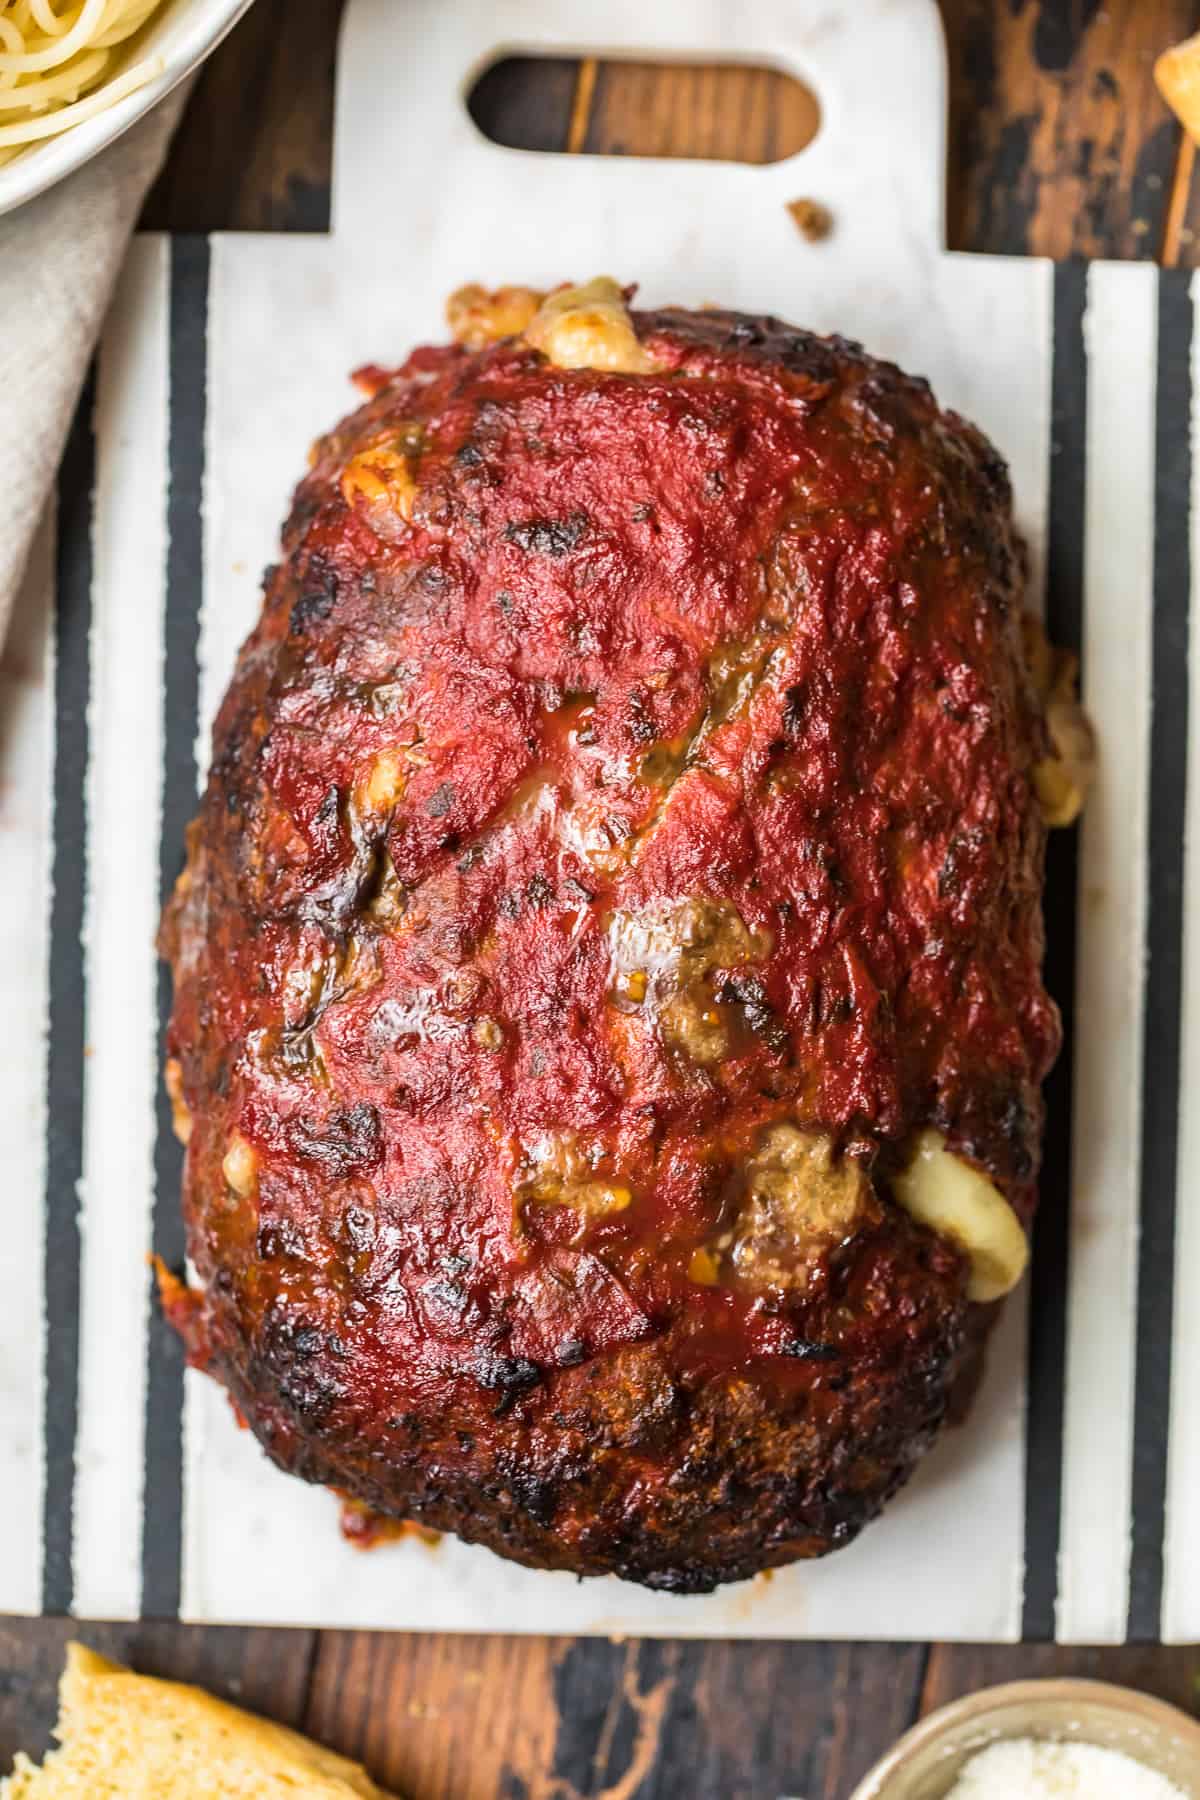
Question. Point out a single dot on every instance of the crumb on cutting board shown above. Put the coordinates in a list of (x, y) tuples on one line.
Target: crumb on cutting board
[(813, 220)]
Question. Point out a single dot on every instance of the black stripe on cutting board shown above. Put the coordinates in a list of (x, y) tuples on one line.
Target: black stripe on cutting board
[(188, 352), (1164, 953), (1051, 1235), (65, 1025)]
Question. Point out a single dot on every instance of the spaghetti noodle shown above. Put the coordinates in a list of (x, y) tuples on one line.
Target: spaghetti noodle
[(60, 63)]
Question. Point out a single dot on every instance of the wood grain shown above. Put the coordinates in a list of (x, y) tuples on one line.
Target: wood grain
[(561, 1719), (502, 1718), (1182, 228), (958, 1669), (1058, 145), (253, 152), (733, 114), (499, 103)]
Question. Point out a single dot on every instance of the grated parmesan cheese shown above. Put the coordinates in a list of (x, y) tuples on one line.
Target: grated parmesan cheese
[(1023, 1769)]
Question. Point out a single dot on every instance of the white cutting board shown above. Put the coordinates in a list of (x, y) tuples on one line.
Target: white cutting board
[(422, 204)]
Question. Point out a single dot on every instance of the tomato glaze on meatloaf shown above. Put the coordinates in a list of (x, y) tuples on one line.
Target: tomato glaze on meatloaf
[(617, 887)]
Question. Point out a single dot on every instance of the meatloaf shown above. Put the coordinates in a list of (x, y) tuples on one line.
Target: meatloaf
[(609, 1023)]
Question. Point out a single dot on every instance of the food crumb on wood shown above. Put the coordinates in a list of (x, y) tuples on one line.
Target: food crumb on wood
[(813, 220), (361, 1526)]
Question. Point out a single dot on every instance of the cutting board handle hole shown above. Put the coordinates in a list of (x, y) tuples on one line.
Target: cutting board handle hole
[(741, 112)]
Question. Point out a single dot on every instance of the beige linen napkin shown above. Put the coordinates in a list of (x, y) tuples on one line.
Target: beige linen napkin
[(59, 258)]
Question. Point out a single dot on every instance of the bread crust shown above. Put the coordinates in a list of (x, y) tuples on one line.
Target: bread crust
[(164, 1739)]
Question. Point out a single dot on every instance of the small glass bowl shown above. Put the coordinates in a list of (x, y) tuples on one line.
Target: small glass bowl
[(927, 1760)]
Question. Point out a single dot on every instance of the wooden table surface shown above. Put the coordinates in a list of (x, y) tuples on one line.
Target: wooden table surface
[(1058, 146)]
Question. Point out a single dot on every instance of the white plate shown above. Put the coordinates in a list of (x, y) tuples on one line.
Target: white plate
[(183, 35)]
